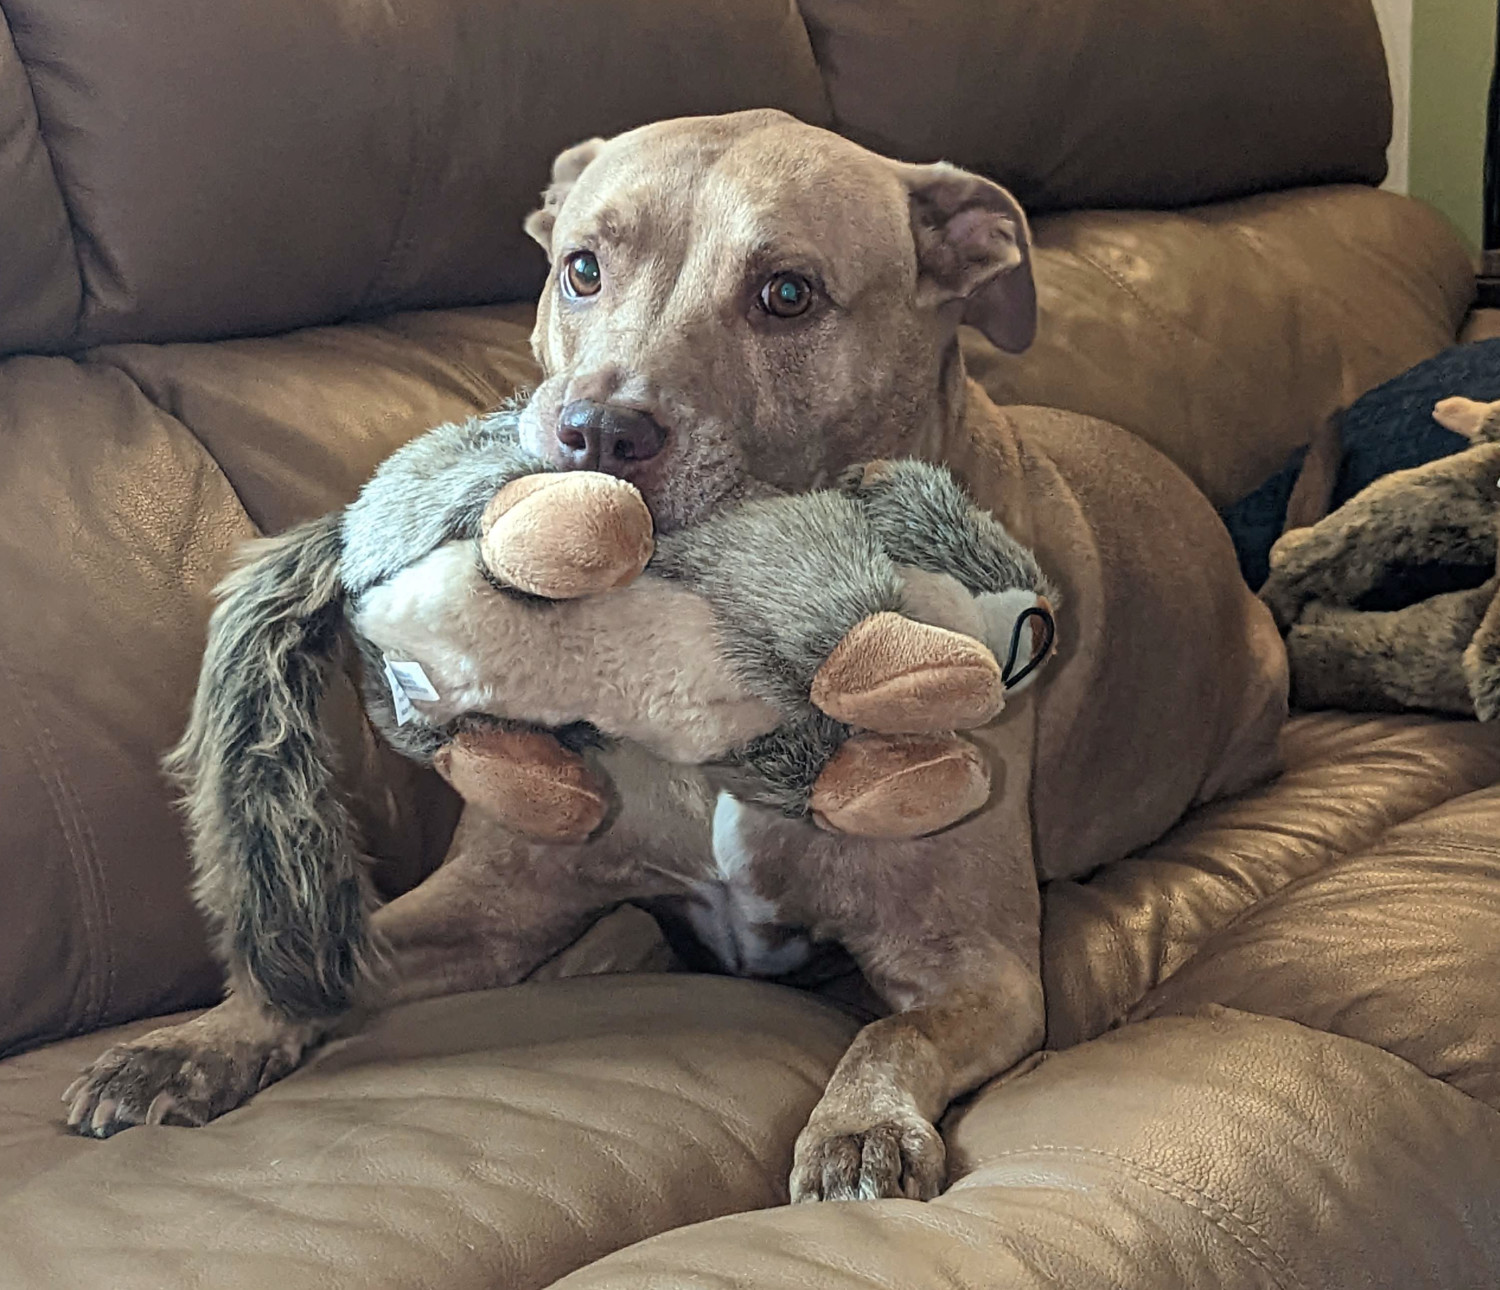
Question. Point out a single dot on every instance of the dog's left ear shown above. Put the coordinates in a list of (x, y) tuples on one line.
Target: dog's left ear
[(566, 169), (973, 245)]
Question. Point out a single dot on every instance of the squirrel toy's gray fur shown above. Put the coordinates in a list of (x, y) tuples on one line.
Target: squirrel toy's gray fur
[(1389, 603), (276, 865)]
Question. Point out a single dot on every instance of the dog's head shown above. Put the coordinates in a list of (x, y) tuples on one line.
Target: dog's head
[(747, 304)]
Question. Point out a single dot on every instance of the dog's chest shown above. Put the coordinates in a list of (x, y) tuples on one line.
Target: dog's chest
[(729, 912)]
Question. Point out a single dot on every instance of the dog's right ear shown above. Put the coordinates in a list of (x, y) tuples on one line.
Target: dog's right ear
[(566, 169)]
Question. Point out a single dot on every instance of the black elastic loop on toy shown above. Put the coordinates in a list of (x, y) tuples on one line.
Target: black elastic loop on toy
[(1034, 611)]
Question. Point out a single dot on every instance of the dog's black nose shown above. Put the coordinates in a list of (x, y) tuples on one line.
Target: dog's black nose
[(606, 436)]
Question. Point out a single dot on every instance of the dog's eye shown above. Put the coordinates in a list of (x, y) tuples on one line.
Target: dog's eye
[(787, 295), (581, 275)]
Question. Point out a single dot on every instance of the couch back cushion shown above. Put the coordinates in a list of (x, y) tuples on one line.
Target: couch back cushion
[(1081, 103), (254, 165), (39, 283), (248, 166)]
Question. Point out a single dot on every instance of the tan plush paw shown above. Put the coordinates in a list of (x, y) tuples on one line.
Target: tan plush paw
[(527, 781), (898, 676), (566, 535), (900, 786), (1468, 417)]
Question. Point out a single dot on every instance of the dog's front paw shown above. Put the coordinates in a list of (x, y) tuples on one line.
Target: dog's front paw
[(897, 1157), (168, 1078), (561, 536)]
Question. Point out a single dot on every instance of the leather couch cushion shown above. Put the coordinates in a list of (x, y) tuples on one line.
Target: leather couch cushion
[(1224, 335), (1223, 1150), (39, 286), (32, 1140), (298, 422), (1348, 782), (254, 165), (113, 525), (495, 1139), (1114, 102), (1398, 946)]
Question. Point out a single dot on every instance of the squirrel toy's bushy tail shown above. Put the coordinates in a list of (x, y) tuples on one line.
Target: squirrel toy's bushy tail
[(274, 863)]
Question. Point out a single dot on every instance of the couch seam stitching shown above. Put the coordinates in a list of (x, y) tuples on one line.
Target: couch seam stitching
[(1156, 317), (1269, 1259), (87, 880), (75, 230), (1337, 856)]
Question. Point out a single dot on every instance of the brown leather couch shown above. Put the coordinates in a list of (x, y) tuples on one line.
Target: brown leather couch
[(249, 247)]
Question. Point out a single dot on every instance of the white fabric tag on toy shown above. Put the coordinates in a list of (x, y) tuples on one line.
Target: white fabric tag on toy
[(407, 681), (413, 680)]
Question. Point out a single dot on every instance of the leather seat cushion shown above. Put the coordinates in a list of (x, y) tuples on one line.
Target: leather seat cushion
[(1220, 1150), (493, 1139)]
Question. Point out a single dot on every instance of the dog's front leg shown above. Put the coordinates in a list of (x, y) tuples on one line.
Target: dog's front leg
[(494, 911), (873, 1133), (947, 930)]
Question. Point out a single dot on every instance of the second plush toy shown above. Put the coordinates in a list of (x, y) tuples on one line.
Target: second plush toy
[(1390, 602)]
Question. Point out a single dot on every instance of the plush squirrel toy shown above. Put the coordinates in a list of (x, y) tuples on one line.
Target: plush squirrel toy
[(1389, 602), (817, 653)]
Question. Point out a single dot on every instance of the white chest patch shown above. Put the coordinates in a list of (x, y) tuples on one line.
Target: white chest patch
[(737, 923)]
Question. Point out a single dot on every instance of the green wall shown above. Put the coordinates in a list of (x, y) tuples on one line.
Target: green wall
[(1453, 46)]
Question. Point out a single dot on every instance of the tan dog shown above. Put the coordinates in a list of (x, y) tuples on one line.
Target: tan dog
[(743, 305)]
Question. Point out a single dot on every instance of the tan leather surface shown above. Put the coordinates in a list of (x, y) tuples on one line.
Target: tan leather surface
[(253, 165), (299, 422), (1221, 1151), (497, 1139), (1224, 335), (39, 285), (31, 1138), (112, 525), (1348, 783), (1398, 946), (230, 180), (1114, 102)]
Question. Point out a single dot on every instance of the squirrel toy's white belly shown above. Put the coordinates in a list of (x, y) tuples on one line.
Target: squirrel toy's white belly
[(641, 663)]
